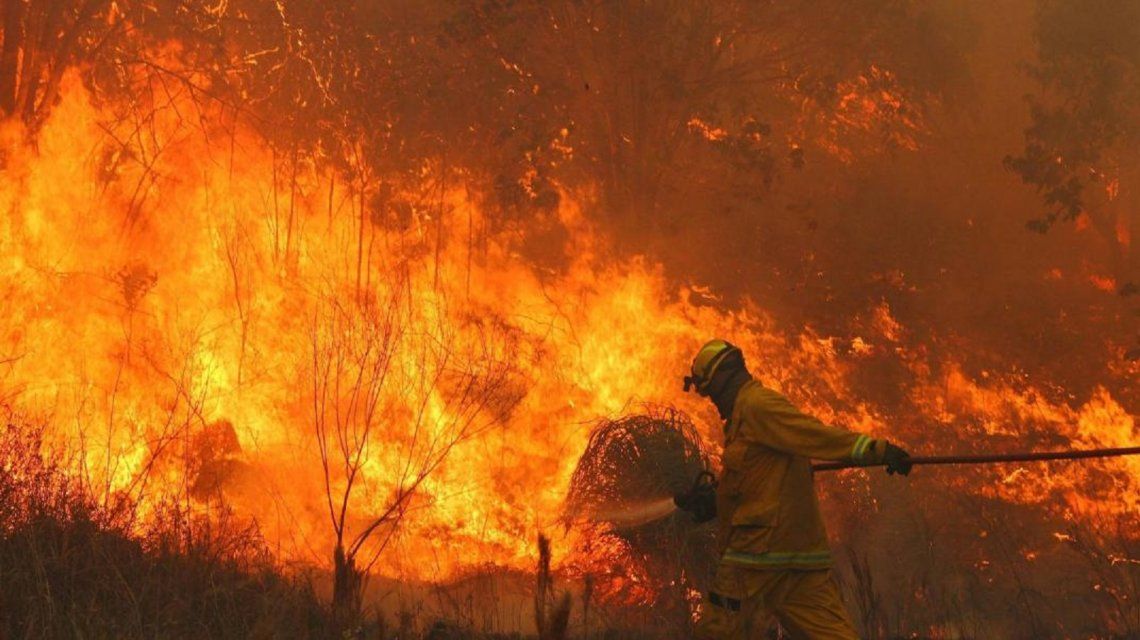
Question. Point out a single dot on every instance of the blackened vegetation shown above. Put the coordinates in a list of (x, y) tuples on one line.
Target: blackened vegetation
[(629, 462), (73, 568), (551, 611)]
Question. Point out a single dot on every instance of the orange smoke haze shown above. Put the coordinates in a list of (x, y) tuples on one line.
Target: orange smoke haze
[(185, 325)]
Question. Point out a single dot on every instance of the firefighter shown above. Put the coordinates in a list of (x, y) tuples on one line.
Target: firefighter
[(774, 555)]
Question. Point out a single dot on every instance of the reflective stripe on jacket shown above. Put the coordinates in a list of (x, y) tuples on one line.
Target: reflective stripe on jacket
[(766, 504)]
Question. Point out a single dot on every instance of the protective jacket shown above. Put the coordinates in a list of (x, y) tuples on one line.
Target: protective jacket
[(766, 504)]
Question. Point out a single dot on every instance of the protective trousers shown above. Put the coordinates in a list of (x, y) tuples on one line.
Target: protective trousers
[(743, 601)]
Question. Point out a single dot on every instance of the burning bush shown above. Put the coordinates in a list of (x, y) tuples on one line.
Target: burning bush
[(632, 466)]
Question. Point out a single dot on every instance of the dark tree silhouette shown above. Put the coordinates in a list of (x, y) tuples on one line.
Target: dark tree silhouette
[(1081, 150)]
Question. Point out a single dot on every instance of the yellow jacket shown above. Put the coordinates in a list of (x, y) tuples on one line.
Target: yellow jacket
[(766, 504)]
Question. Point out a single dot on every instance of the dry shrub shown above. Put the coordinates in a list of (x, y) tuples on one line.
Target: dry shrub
[(662, 564), (71, 566)]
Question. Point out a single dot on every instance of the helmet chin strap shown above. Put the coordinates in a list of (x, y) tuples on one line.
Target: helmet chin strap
[(691, 381)]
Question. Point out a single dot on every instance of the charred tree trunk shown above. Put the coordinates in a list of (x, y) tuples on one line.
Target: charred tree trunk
[(1110, 224), (41, 41), (551, 616), (1128, 230), (347, 590), (14, 11), (67, 47), (29, 88)]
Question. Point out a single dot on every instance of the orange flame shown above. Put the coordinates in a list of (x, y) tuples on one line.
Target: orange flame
[(174, 313)]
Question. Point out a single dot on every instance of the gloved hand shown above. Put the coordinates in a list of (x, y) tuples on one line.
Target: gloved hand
[(897, 460), (700, 500)]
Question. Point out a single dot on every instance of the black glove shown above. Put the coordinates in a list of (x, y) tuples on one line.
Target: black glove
[(897, 460), (700, 500)]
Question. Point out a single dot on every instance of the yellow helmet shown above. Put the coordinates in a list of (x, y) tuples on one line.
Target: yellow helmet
[(705, 364)]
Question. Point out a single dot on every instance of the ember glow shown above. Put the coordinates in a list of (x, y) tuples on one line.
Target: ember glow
[(344, 352), (172, 353)]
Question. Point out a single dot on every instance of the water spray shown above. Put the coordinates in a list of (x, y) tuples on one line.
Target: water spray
[(630, 516)]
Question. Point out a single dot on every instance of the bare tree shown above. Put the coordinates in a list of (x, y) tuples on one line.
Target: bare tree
[(393, 393)]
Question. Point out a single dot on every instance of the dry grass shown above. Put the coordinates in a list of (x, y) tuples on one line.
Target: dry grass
[(73, 568)]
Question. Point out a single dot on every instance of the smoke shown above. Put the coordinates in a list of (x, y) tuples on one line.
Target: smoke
[(848, 223)]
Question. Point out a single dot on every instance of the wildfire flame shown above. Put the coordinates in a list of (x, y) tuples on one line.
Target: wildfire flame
[(185, 326)]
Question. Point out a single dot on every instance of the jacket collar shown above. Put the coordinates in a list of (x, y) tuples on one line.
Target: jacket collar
[(725, 396)]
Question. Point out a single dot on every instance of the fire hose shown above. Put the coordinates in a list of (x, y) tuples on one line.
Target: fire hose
[(700, 500), (997, 458)]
